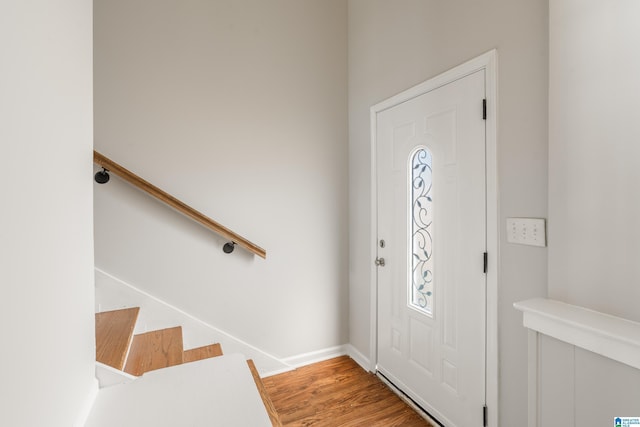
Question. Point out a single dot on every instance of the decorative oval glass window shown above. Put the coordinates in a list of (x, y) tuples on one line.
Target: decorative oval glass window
[(421, 246)]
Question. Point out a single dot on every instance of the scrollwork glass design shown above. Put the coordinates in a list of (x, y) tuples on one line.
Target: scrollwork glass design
[(421, 250)]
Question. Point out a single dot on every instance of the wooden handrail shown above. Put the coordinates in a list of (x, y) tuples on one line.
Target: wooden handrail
[(181, 207)]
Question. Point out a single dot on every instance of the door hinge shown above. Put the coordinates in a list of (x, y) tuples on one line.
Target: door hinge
[(486, 262), (484, 416), (484, 109)]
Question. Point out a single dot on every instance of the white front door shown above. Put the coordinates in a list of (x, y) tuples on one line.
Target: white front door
[(432, 236)]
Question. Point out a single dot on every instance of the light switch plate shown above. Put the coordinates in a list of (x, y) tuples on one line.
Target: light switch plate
[(527, 231)]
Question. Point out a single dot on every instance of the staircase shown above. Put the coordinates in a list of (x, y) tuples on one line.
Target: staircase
[(167, 385)]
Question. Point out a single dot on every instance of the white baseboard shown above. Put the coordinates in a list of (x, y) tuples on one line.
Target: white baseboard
[(315, 356), (305, 359), (85, 410), (360, 358)]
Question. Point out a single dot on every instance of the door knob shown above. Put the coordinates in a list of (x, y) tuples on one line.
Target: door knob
[(380, 262)]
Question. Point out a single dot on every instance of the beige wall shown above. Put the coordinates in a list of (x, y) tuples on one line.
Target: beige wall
[(239, 108), (394, 45), (47, 362)]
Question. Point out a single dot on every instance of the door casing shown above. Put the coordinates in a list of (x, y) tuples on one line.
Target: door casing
[(487, 62)]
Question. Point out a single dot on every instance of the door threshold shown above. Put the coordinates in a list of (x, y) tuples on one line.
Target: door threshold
[(409, 401)]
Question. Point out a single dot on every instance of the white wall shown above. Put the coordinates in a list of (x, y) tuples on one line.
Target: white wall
[(238, 108), (594, 152), (594, 102), (46, 232), (394, 45)]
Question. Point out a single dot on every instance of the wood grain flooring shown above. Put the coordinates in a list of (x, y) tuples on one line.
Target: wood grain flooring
[(338, 392)]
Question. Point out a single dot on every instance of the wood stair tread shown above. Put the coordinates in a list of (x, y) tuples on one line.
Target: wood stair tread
[(114, 331), (155, 350), (199, 353)]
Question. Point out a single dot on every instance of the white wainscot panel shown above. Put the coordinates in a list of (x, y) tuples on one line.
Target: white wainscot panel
[(584, 366)]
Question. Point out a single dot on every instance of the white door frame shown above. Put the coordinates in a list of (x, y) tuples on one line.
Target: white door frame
[(487, 62)]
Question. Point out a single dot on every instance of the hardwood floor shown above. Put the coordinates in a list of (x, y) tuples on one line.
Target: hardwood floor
[(338, 392)]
